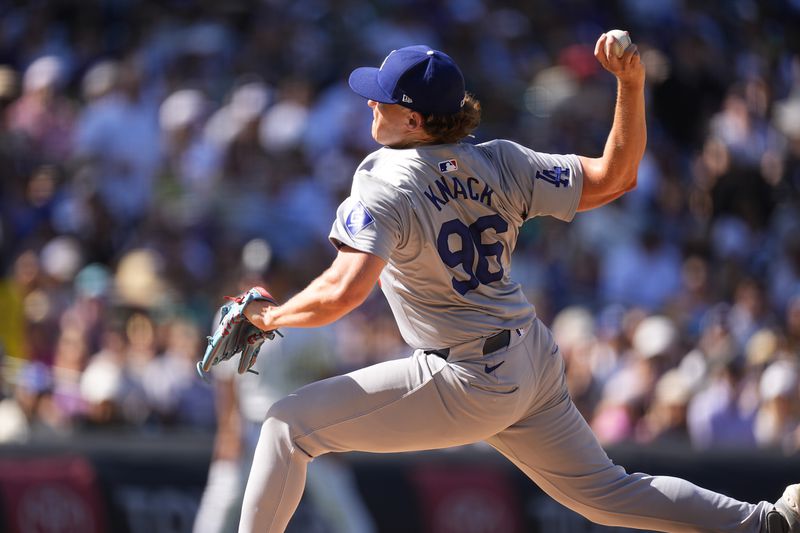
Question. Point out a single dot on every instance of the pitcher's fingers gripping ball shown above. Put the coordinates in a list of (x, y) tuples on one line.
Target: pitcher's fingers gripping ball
[(618, 55), (235, 334), (617, 42)]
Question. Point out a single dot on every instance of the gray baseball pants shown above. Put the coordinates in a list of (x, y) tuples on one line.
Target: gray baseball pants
[(521, 408)]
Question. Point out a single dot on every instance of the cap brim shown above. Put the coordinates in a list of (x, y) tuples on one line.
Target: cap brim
[(364, 82)]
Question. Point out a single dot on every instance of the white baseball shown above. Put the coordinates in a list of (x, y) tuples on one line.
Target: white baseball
[(618, 46)]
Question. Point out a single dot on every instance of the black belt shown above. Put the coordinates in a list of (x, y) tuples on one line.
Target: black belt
[(492, 344)]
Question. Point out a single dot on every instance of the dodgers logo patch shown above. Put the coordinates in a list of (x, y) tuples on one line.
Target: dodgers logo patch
[(357, 219), (558, 176), (451, 165)]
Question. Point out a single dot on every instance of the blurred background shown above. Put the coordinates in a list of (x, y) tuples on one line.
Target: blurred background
[(155, 156)]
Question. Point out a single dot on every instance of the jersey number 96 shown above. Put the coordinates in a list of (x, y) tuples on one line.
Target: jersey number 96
[(472, 245)]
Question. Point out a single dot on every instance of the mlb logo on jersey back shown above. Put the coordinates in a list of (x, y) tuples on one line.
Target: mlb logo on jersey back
[(357, 219), (451, 165)]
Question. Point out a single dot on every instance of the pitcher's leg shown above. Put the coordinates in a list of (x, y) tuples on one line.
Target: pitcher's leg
[(557, 450), (276, 481), (408, 404)]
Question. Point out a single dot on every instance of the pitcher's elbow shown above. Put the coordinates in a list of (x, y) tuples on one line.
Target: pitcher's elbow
[(632, 179)]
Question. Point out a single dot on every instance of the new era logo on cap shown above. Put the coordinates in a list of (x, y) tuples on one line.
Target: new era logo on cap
[(357, 219), (451, 165)]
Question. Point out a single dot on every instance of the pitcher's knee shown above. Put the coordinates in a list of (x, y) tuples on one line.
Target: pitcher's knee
[(284, 425), (286, 410)]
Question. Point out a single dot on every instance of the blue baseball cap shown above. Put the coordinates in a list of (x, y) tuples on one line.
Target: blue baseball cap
[(417, 77)]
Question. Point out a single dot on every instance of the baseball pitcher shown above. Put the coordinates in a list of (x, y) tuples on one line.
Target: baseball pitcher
[(436, 221)]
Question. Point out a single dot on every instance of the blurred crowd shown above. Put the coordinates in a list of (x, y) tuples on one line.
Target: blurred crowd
[(155, 156)]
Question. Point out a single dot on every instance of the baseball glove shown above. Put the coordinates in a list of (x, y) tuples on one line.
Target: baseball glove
[(235, 334)]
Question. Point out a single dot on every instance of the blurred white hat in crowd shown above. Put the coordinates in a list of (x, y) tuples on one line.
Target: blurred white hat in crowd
[(249, 101), (14, 425), (181, 109), (573, 325), (100, 79), (61, 258), (283, 125), (780, 379), (786, 116), (256, 256), (138, 278), (221, 128), (46, 71), (551, 88), (654, 336), (101, 381), (673, 388), (694, 368)]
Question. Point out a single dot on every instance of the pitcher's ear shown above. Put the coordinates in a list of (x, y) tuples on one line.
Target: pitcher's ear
[(415, 120)]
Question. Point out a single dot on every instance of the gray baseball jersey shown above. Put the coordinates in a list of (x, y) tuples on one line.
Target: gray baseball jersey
[(446, 219)]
